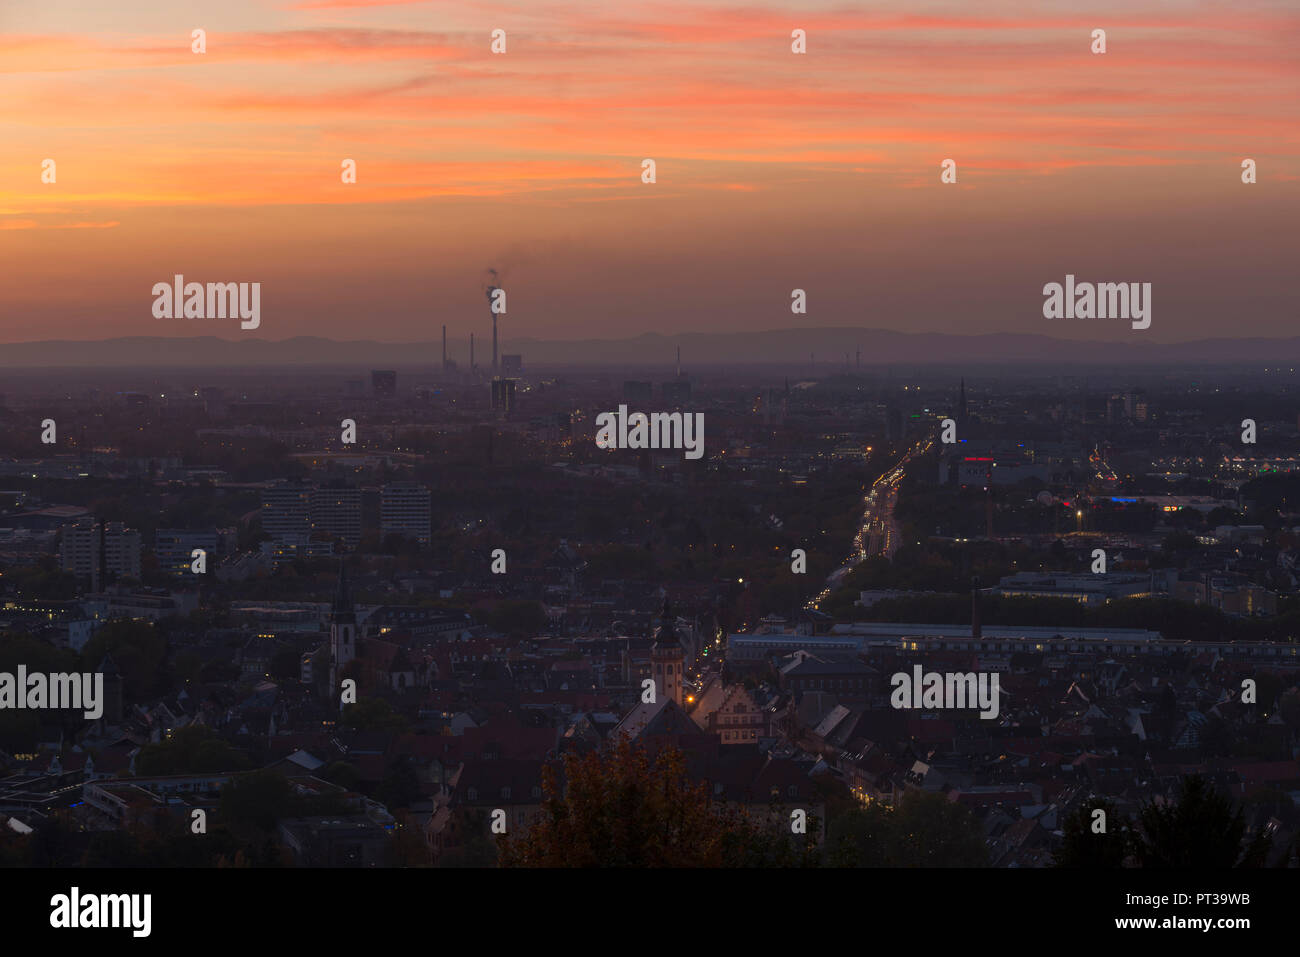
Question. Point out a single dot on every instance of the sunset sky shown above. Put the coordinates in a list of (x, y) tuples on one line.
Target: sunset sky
[(775, 170)]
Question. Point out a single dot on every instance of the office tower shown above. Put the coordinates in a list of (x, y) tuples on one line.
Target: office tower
[(96, 553), (1136, 404), (503, 396), (893, 423), (774, 407), (405, 508), (79, 551), (1114, 409), (336, 513), (174, 548), (564, 425), (122, 547), (677, 392), (286, 512), (638, 392)]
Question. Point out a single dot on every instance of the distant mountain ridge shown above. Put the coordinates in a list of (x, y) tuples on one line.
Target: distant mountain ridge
[(830, 346)]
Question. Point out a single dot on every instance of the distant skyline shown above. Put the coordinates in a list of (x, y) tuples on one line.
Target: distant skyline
[(775, 171), (824, 351)]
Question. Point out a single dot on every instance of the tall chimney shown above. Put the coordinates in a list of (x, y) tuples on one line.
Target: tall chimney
[(988, 503), (975, 627), (491, 292)]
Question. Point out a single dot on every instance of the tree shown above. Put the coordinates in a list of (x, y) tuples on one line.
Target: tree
[(923, 830), (1083, 847), (286, 665), (139, 652), (20, 729), (1289, 707), (407, 847), (114, 849), (517, 618), (58, 842), (618, 808), (258, 799), (190, 750), (1200, 829), (928, 830), (400, 786), (372, 714), (343, 774), (476, 849)]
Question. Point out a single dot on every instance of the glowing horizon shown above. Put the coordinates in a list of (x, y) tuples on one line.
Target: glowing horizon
[(775, 171)]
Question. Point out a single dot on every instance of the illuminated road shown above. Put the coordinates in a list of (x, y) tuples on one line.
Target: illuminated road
[(878, 534)]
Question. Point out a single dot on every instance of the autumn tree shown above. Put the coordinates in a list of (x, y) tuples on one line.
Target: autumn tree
[(194, 749), (621, 808), (1200, 829), (922, 830)]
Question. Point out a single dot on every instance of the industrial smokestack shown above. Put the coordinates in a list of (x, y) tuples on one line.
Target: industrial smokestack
[(988, 504), (491, 289)]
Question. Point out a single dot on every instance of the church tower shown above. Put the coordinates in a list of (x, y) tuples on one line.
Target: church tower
[(343, 631), (667, 659), (112, 690)]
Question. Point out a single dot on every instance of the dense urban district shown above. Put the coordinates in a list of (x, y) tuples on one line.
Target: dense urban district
[(373, 618)]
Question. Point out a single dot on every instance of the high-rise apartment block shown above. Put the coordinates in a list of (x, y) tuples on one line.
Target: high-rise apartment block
[(405, 508)]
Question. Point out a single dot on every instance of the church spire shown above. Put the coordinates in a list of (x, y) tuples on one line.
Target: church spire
[(666, 633), (667, 658), (342, 610)]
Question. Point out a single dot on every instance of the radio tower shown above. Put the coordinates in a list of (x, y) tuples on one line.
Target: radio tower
[(491, 289)]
